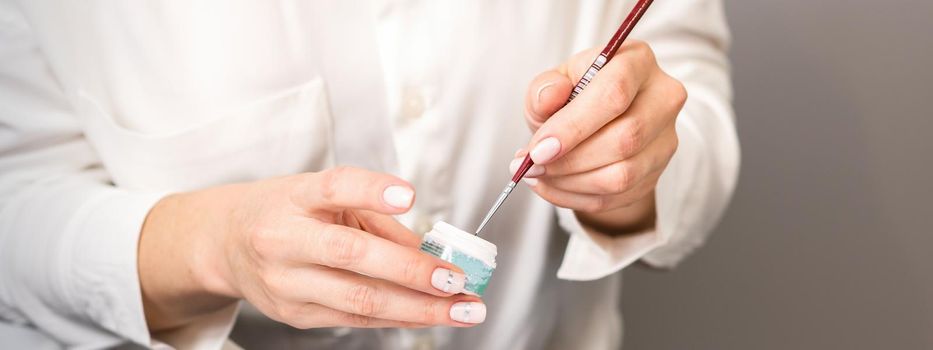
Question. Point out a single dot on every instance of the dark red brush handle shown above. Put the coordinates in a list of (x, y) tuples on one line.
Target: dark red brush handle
[(608, 52)]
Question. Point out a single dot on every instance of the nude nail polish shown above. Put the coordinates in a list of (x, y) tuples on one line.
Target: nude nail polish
[(398, 196), (534, 171), (448, 281), (468, 312), (545, 150)]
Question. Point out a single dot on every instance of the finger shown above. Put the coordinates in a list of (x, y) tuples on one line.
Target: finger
[(387, 227), (371, 297), (354, 188), (607, 96), (620, 176), (309, 315), (546, 94), (549, 91), (592, 203), (345, 248), (651, 115), (594, 159)]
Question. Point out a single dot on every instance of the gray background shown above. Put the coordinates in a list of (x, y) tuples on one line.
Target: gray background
[(828, 242)]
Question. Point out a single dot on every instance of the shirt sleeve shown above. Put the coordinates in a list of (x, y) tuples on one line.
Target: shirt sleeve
[(690, 40), (68, 237)]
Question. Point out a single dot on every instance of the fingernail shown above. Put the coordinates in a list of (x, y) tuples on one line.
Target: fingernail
[(398, 196), (540, 92), (533, 171), (545, 150), (519, 153), (530, 181), (514, 164), (468, 312), (448, 281)]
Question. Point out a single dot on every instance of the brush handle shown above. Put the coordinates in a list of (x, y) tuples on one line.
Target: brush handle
[(608, 52)]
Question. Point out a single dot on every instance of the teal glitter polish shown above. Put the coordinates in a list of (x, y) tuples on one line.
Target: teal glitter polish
[(476, 256)]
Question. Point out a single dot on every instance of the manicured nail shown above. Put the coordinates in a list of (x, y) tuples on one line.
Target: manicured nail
[(545, 150), (448, 281), (530, 181), (468, 312), (519, 153), (398, 196), (534, 171)]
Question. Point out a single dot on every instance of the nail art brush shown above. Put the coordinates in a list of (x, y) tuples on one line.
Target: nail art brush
[(608, 52)]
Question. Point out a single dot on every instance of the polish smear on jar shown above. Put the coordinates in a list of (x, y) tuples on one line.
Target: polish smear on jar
[(476, 256)]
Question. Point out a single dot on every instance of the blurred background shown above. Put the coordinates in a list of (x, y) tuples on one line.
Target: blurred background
[(829, 240)]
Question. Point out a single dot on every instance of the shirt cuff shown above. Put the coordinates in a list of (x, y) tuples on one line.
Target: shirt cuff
[(209, 331), (100, 272), (592, 255), (106, 277), (685, 209)]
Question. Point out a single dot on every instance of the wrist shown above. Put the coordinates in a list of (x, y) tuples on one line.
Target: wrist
[(172, 262), (208, 231), (637, 217)]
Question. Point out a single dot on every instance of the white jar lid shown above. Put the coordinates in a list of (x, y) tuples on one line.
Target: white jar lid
[(467, 242)]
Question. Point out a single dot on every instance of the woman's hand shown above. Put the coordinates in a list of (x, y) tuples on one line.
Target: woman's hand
[(310, 250), (603, 153)]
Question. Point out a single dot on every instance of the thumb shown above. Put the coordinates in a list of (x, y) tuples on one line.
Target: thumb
[(546, 94), (354, 188)]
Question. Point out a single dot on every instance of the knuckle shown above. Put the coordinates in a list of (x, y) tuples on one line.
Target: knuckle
[(678, 94), (300, 323), (285, 313), (618, 180), (430, 312), (617, 95), (342, 249), (624, 177), (264, 241), (675, 143), (643, 51), (631, 137), (412, 271), (303, 316), (330, 181), (266, 279), (359, 321), (296, 322), (595, 205), (365, 300), (274, 281), (607, 185)]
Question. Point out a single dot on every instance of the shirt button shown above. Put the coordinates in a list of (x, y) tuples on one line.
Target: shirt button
[(412, 103)]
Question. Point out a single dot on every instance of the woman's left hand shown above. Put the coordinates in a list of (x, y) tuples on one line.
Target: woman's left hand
[(603, 153)]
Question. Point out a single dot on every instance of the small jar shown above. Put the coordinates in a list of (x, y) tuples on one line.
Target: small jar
[(476, 256)]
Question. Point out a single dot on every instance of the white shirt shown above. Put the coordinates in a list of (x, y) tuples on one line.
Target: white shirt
[(107, 106)]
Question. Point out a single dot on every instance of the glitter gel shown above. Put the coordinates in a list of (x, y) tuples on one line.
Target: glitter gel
[(476, 256)]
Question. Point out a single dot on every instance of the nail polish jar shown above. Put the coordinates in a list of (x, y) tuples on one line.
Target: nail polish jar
[(476, 256)]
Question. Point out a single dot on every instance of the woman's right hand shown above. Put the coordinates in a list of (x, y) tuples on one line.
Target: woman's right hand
[(310, 250)]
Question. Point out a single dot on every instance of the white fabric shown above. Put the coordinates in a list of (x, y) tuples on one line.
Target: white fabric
[(107, 106)]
